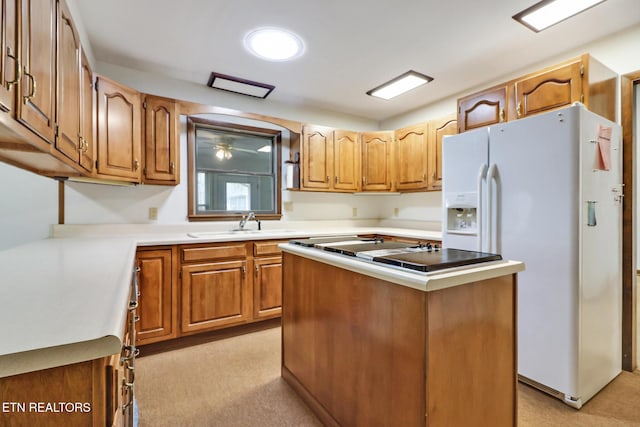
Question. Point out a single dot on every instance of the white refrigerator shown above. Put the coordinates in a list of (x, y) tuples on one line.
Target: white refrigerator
[(547, 190)]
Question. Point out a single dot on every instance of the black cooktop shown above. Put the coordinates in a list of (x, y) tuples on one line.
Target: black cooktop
[(312, 241), (426, 261)]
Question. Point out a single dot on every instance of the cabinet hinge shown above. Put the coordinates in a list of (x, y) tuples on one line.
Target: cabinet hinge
[(582, 98), (144, 105), (582, 69), (56, 131)]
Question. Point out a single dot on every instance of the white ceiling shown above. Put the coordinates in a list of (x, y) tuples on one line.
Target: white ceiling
[(351, 45)]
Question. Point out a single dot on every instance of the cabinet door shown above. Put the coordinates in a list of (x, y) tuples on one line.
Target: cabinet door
[(36, 103), (267, 288), (68, 88), (156, 303), (214, 295), (87, 115), (346, 160), (376, 155), (482, 109), (161, 141), (411, 157), (549, 90), (8, 55), (119, 132), (437, 130), (317, 149)]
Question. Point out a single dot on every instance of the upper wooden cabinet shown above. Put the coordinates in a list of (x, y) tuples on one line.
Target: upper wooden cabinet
[(161, 141), (330, 159), (36, 104), (376, 160), (412, 162), (548, 90), (484, 108), (436, 130), (582, 79), (9, 64), (68, 111), (346, 160), (87, 115), (317, 155), (119, 132)]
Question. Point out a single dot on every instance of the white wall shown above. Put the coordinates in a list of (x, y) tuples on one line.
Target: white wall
[(29, 206)]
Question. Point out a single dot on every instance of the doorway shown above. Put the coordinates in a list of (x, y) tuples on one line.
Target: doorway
[(630, 88)]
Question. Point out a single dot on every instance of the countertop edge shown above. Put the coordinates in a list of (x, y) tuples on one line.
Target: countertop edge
[(426, 282), (45, 358)]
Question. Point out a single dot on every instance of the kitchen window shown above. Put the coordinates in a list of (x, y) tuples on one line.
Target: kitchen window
[(233, 170)]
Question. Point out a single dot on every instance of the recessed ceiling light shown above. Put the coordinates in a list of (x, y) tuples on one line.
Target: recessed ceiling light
[(546, 13), (399, 85), (274, 44)]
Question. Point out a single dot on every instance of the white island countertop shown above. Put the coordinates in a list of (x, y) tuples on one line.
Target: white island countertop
[(63, 301), (426, 282)]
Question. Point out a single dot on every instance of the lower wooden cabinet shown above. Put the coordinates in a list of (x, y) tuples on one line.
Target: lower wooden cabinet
[(157, 280), (267, 287), (192, 288), (214, 295)]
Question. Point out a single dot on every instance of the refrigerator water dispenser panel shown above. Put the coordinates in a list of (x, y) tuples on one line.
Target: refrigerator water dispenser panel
[(462, 213)]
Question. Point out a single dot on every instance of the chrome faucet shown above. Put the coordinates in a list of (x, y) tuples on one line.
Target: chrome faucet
[(247, 218)]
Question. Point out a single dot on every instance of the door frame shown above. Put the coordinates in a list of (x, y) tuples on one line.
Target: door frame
[(629, 261)]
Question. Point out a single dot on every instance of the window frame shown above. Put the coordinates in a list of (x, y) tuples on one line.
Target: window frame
[(192, 213)]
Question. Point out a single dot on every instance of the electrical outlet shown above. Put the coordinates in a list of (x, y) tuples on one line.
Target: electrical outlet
[(354, 212), (153, 213), (288, 206)]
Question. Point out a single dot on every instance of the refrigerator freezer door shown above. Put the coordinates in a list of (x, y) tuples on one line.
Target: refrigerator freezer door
[(464, 157), (535, 220), (600, 293)]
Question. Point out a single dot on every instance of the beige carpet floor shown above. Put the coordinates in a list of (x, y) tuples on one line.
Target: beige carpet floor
[(236, 382)]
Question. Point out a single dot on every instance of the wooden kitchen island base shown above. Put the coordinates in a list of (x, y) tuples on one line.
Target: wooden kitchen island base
[(362, 351)]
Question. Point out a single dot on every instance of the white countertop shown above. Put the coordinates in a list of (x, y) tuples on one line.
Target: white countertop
[(64, 300), (425, 282)]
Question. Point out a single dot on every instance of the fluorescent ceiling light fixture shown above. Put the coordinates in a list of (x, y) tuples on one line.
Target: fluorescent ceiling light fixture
[(546, 13), (274, 44), (238, 85), (399, 85)]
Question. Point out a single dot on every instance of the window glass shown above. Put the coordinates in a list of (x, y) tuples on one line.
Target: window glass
[(234, 169)]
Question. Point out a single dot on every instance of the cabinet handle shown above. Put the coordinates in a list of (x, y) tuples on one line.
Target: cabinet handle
[(81, 145), (336, 179), (519, 109), (32, 93), (257, 270), (172, 168), (16, 69), (326, 179), (502, 114), (136, 165), (244, 270)]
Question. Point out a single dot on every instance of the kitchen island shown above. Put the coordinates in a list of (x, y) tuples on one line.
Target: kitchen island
[(366, 344)]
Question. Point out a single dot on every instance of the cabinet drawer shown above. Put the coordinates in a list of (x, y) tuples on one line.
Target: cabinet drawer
[(192, 254), (267, 248)]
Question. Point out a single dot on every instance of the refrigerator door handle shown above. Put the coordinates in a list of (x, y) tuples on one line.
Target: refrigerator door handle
[(488, 235), (482, 174)]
